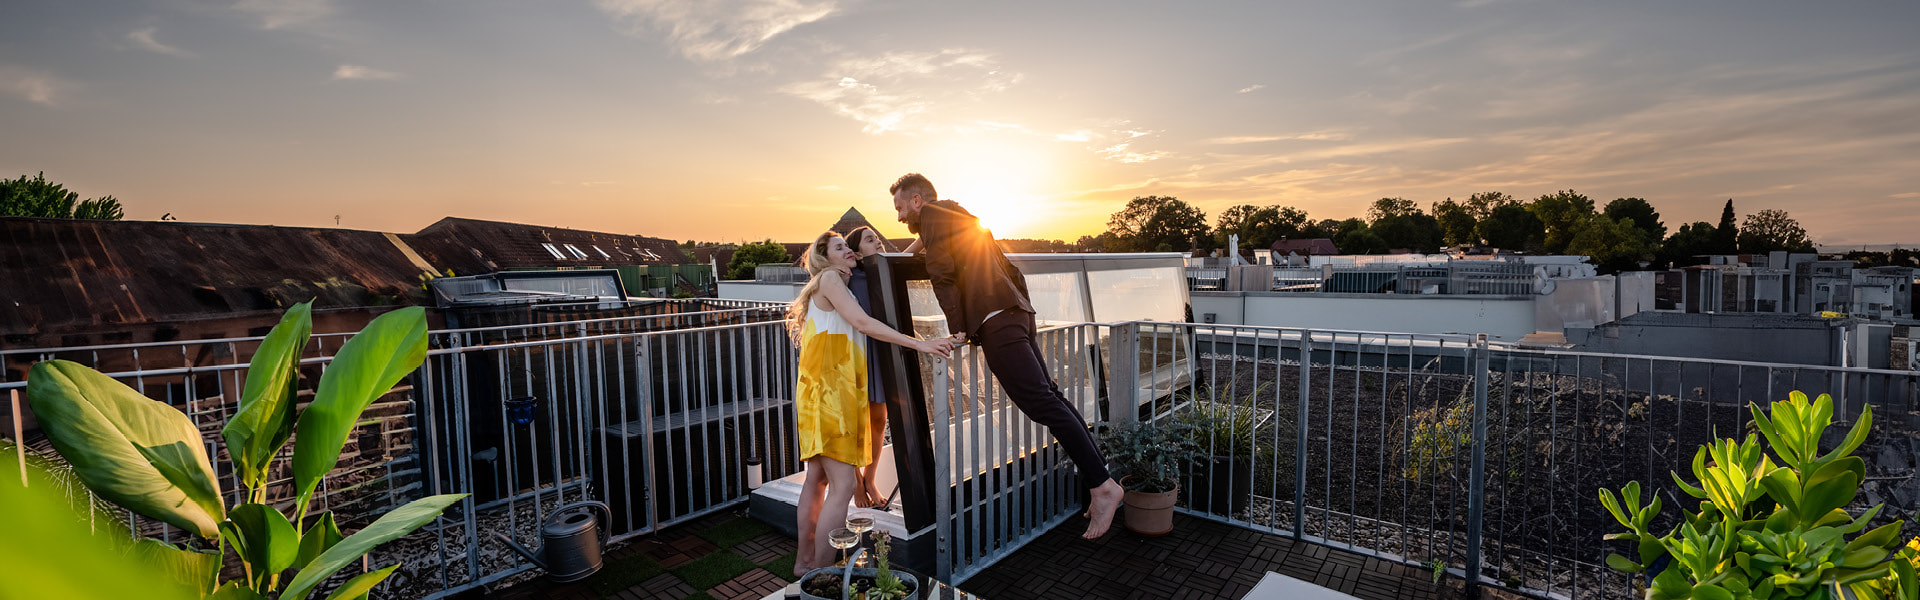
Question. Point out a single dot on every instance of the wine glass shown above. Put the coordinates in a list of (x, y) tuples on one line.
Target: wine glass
[(860, 526), (843, 539)]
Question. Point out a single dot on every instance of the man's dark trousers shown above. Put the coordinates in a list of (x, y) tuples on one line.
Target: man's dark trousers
[(1014, 356)]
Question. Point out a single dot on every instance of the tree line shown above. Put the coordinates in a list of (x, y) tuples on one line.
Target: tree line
[(40, 198), (1625, 234)]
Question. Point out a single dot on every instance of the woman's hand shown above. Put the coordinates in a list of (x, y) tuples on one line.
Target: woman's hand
[(942, 347)]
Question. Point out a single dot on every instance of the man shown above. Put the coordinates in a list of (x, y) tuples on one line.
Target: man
[(985, 299)]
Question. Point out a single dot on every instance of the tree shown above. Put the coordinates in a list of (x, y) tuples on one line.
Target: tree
[(1391, 207), (1563, 213), (1457, 222), (748, 256), (1615, 245), (1642, 214), (1726, 237), (1770, 230), (1413, 231), (1690, 240), (1258, 226), (1353, 236), (1324, 228), (1482, 204), (38, 197), (1511, 226), (1150, 223)]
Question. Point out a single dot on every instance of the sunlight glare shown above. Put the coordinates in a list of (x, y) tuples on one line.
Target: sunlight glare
[(1000, 181)]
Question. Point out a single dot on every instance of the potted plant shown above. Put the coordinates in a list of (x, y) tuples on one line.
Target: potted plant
[(1222, 482), (856, 583), (1765, 529), (1150, 458), (149, 458)]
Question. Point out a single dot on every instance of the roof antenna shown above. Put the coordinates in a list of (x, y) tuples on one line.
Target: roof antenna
[(336, 220)]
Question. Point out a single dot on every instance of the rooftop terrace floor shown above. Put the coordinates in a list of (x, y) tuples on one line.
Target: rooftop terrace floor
[(728, 556)]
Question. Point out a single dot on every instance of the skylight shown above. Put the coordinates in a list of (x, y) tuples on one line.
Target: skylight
[(554, 251)]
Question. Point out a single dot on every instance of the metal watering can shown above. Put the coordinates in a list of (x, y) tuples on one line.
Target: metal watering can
[(570, 542)]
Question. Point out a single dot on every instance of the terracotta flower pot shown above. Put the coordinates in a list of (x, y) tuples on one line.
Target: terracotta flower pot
[(1150, 513)]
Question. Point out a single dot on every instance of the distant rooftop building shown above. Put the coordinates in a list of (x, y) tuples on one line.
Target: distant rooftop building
[(1785, 283), (1304, 247), (473, 246), (77, 278)]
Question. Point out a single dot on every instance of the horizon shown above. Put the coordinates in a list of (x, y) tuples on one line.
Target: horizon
[(745, 121)]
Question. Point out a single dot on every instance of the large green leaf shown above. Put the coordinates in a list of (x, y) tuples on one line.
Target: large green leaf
[(358, 587), (138, 453), (191, 569), (262, 537), (323, 534), (266, 416), (233, 591), (387, 528), (366, 368), (48, 550), (1832, 486)]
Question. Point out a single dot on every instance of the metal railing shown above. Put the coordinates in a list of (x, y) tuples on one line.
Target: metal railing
[(1433, 451), (1442, 452), (1000, 477), (655, 415)]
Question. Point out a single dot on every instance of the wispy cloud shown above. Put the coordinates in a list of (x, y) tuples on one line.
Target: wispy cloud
[(1252, 88), (31, 85), (353, 72), (1328, 135), (1906, 195), (143, 37), (908, 91), (713, 30), (275, 14)]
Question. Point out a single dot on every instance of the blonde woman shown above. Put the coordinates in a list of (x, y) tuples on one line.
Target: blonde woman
[(831, 399)]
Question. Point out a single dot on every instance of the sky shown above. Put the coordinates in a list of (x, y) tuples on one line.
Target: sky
[(731, 120)]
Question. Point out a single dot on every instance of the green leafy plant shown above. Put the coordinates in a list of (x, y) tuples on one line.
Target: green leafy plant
[(1223, 429), (886, 585), (1150, 456), (148, 457), (1767, 530)]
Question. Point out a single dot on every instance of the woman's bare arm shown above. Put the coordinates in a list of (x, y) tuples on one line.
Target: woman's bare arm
[(835, 295)]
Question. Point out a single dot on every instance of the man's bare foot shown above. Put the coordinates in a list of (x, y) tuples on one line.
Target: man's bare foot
[(1106, 500)]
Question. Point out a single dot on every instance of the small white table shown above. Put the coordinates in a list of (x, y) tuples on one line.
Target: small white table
[(1280, 587)]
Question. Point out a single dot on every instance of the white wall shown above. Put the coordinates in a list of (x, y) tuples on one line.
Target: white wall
[(759, 290), (1505, 318)]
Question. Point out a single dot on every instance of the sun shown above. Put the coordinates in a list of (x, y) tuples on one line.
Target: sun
[(1003, 183)]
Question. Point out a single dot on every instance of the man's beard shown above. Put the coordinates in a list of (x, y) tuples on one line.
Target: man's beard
[(913, 227)]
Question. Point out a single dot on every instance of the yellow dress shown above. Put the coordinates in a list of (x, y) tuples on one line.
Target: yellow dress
[(831, 399)]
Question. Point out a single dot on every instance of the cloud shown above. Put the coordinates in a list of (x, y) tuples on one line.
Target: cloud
[(1251, 88), (275, 14), (34, 86), (1328, 135), (910, 91), (1906, 195), (713, 30), (143, 37), (351, 72)]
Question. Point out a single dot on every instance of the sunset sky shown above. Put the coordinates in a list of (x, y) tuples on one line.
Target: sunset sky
[(731, 120)]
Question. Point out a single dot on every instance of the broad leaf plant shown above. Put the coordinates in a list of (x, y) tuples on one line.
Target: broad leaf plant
[(148, 457)]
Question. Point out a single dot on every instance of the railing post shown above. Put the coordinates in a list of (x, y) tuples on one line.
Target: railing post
[(1123, 374), (643, 380), (1477, 486), (942, 420), (1300, 441)]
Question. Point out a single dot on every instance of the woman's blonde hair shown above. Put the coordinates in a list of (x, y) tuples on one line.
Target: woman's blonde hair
[(816, 263)]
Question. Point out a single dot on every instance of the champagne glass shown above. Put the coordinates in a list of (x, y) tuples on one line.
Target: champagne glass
[(843, 539), (860, 526)]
